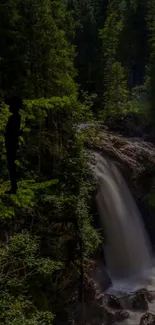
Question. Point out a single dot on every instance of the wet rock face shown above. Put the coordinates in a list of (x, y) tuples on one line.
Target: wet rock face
[(134, 155), (141, 300), (136, 160), (147, 319), (101, 276)]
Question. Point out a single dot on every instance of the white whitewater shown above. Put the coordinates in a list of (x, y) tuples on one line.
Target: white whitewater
[(127, 248)]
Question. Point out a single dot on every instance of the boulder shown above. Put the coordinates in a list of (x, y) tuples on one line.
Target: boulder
[(96, 312), (147, 319), (121, 315), (114, 303), (112, 316), (140, 303), (141, 299), (149, 295)]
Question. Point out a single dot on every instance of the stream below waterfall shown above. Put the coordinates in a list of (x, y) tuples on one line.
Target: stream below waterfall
[(124, 289), (128, 255)]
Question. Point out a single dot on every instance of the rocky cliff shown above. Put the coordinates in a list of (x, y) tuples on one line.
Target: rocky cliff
[(136, 160)]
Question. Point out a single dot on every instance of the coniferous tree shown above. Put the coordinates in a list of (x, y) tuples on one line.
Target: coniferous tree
[(151, 63), (45, 46), (116, 95), (89, 16), (36, 57), (133, 41), (111, 68)]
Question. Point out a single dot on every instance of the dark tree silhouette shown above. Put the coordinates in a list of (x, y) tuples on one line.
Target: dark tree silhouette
[(12, 139)]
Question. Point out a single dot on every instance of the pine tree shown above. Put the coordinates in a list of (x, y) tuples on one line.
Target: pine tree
[(89, 16), (133, 41), (36, 57), (151, 63), (116, 95), (110, 45)]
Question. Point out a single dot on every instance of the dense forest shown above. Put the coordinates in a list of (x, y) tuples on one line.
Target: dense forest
[(71, 62)]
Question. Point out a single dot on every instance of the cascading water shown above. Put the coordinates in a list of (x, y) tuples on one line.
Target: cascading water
[(127, 248)]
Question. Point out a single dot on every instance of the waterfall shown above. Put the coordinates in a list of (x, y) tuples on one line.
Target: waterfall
[(127, 248)]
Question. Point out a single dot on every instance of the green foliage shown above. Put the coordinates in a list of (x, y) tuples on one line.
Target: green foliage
[(124, 54), (46, 48), (23, 257), (51, 121), (88, 17), (92, 137), (17, 311), (36, 57), (116, 95), (114, 80), (110, 36), (22, 271), (151, 63), (41, 220), (90, 236), (4, 114), (150, 201), (85, 113)]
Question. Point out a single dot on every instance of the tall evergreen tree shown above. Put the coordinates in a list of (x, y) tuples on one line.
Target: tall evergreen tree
[(36, 57), (116, 94), (89, 16), (151, 62), (110, 36), (133, 41)]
